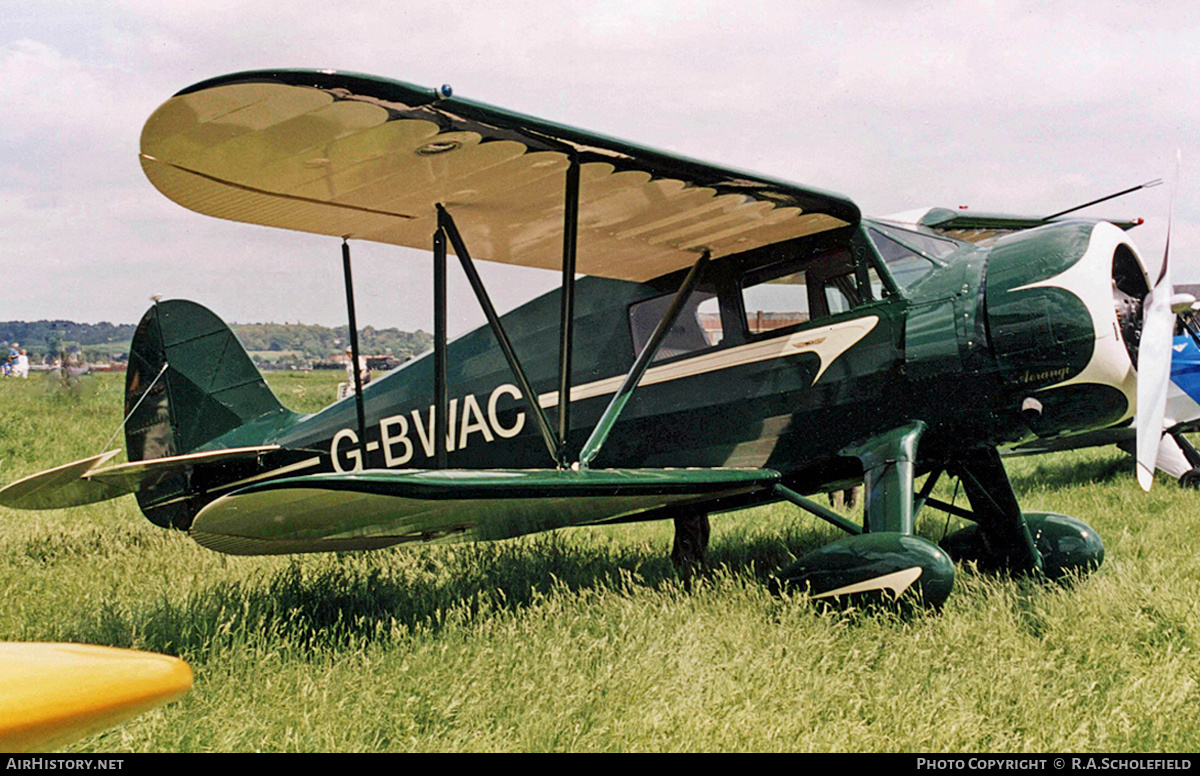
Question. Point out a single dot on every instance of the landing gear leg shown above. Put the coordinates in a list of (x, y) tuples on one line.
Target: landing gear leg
[(886, 563), (691, 542), (1191, 477), (1002, 540)]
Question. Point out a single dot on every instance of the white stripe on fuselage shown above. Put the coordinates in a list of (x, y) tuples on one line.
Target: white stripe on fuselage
[(273, 473), (399, 448), (828, 342)]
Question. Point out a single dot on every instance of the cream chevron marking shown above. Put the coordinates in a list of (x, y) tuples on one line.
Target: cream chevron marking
[(897, 582), (828, 342), (231, 485)]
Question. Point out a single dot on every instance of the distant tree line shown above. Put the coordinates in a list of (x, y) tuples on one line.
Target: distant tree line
[(280, 344), (51, 339)]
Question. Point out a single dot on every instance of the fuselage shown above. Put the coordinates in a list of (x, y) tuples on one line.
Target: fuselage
[(783, 357)]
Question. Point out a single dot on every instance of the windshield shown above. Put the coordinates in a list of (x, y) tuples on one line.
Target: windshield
[(905, 263), (936, 248)]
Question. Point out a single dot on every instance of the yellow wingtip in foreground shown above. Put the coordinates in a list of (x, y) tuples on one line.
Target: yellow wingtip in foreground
[(51, 694)]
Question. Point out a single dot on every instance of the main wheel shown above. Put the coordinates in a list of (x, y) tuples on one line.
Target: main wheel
[(1067, 545), (1190, 479), (873, 569)]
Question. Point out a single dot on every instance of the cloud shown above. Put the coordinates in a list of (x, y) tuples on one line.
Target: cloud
[(52, 94), (1012, 106)]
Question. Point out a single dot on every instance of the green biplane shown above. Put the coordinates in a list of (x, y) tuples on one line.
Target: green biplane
[(719, 340)]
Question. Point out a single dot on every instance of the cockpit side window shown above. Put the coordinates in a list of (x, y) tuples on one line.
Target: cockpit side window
[(697, 327), (776, 301), (792, 293)]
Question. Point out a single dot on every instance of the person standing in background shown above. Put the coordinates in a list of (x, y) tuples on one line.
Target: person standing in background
[(364, 370)]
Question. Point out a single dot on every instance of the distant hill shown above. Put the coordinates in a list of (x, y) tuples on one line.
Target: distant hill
[(297, 344), (96, 341), (275, 344)]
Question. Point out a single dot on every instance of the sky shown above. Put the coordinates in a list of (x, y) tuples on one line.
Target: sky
[(1016, 107)]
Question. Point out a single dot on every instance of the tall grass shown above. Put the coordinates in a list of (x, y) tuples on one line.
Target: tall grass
[(586, 640)]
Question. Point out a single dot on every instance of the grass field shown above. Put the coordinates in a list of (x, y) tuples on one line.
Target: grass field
[(585, 639)]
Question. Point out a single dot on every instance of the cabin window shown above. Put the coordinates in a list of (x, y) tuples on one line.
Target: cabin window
[(697, 327), (776, 302), (842, 293), (788, 295)]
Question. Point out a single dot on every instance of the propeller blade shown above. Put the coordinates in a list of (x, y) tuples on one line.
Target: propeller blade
[(1154, 359)]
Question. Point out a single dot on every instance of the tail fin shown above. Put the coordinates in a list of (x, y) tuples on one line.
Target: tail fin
[(189, 382)]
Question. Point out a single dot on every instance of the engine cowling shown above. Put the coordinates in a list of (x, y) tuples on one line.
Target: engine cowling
[(1063, 306)]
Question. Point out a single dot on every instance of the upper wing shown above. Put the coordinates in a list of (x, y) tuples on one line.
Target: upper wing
[(973, 227), (368, 158), (377, 508)]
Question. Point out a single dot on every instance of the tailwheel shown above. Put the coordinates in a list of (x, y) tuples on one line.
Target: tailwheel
[(1067, 546), (873, 569), (1190, 478)]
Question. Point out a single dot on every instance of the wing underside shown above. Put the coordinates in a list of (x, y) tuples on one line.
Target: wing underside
[(378, 508), (368, 158)]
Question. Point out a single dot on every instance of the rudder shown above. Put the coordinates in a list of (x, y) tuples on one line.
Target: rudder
[(189, 382)]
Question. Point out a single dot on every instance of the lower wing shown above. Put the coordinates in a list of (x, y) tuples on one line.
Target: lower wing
[(378, 508)]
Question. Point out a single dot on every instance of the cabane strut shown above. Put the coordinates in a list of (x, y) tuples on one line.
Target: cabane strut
[(555, 439)]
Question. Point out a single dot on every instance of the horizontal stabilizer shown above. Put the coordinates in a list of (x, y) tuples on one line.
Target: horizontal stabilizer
[(377, 508), (86, 482), (62, 486), (974, 227)]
